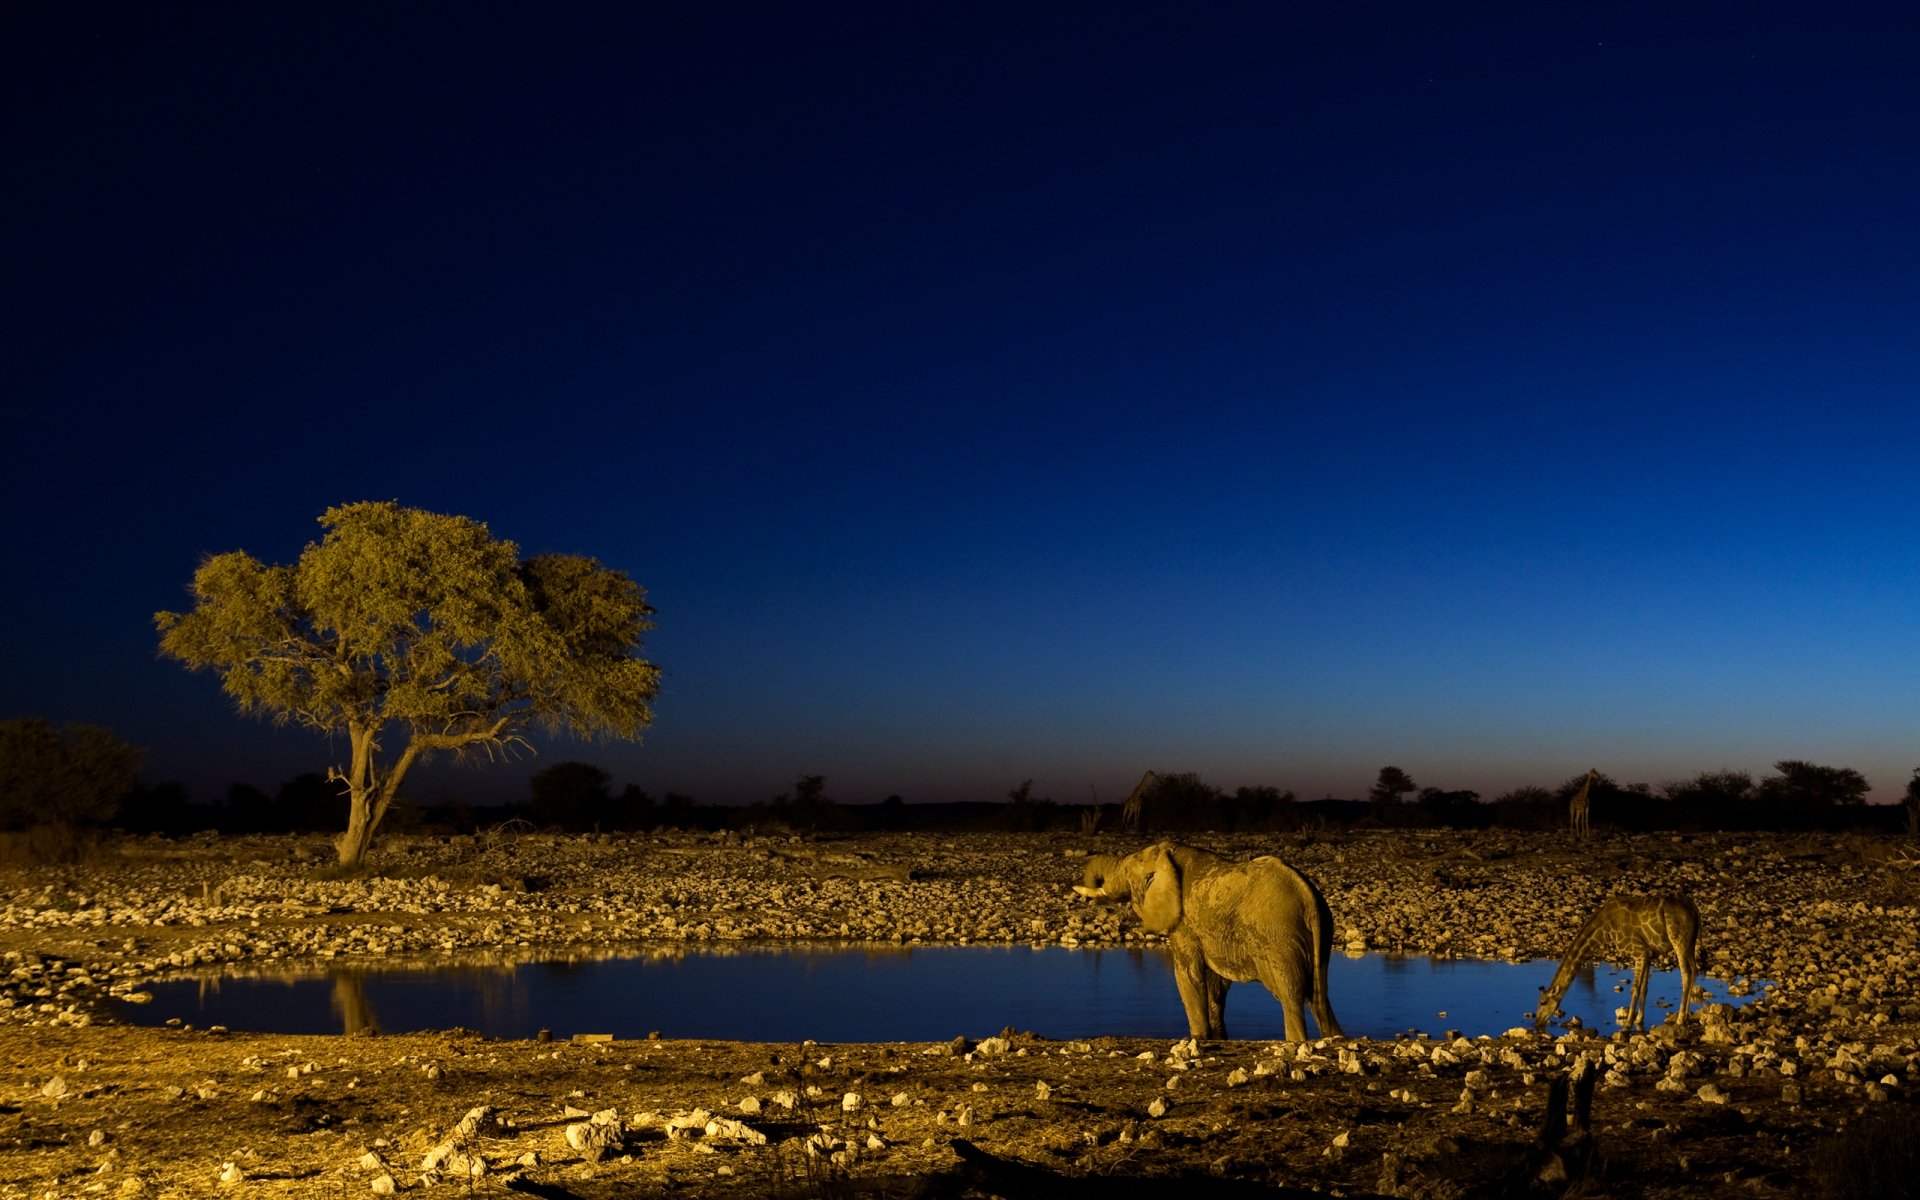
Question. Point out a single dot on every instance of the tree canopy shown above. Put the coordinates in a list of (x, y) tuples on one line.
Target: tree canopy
[(425, 624), (73, 775), (1805, 783), (1392, 784)]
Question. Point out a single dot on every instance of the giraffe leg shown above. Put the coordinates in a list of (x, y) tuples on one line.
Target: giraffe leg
[(1683, 949), (1637, 1008)]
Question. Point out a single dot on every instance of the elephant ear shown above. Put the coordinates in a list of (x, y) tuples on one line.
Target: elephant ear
[(1160, 905)]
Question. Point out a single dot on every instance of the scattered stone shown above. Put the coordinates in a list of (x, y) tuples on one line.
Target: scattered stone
[(594, 1140)]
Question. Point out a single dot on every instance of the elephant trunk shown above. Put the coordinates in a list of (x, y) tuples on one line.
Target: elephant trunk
[(1094, 877)]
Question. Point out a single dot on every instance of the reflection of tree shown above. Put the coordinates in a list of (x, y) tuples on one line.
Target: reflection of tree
[(350, 1003)]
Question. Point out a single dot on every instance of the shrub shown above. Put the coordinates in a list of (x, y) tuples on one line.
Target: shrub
[(75, 775)]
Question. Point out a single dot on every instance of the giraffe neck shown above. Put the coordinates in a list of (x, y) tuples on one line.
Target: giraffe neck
[(1602, 934)]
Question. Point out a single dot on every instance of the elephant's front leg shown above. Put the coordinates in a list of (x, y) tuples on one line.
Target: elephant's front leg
[(1203, 993)]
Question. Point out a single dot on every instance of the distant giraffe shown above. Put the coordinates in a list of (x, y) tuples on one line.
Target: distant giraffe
[(1633, 931), (1130, 813), (1579, 807)]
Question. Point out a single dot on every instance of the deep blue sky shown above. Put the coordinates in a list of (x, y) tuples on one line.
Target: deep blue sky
[(988, 392)]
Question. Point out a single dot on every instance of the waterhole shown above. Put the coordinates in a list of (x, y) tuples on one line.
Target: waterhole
[(876, 994)]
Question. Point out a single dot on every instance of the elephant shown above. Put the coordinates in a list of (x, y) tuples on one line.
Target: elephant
[(1227, 922)]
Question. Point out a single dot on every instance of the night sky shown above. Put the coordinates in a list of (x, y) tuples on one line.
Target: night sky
[(987, 392)]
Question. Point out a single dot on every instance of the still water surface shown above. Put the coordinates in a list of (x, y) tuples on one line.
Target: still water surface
[(873, 994)]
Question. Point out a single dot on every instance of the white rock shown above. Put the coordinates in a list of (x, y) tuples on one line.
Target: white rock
[(739, 1131), (592, 1138)]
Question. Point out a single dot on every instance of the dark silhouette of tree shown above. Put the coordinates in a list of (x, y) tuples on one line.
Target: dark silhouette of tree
[(1454, 810), (1262, 809), (1529, 807), (161, 808), (247, 809), (405, 621), (1181, 800), (1804, 794), (1383, 798), (632, 810), (1026, 812), (1913, 804), (74, 775), (1392, 784), (678, 811), (571, 795), (806, 808), (1712, 800), (309, 802)]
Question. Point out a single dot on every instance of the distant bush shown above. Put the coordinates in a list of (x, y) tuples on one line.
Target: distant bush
[(47, 845), (1025, 812), (571, 795), (74, 775), (1529, 808)]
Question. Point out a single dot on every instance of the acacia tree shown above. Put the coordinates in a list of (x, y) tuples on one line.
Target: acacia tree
[(1392, 784), (401, 621), (1809, 785)]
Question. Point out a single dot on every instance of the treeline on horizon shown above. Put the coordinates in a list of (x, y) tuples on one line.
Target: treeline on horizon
[(578, 797), (83, 778)]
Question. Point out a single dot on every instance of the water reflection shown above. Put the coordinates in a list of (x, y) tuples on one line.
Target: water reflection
[(833, 993)]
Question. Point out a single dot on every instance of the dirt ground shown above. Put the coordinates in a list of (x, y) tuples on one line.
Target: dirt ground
[(1806, 1093)]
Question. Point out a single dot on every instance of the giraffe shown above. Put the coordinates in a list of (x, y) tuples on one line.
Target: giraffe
[(1632, 930), (1578, 807), (1130, 811)]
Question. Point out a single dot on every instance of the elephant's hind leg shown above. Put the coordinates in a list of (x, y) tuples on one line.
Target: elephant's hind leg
[(1217, 985), (1324, 1018)]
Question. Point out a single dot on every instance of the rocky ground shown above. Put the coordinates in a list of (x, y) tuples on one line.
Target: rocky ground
[(1807, 1091)]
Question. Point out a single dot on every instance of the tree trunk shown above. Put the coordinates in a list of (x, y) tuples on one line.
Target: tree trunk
[(352, 845), (369, 796)]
